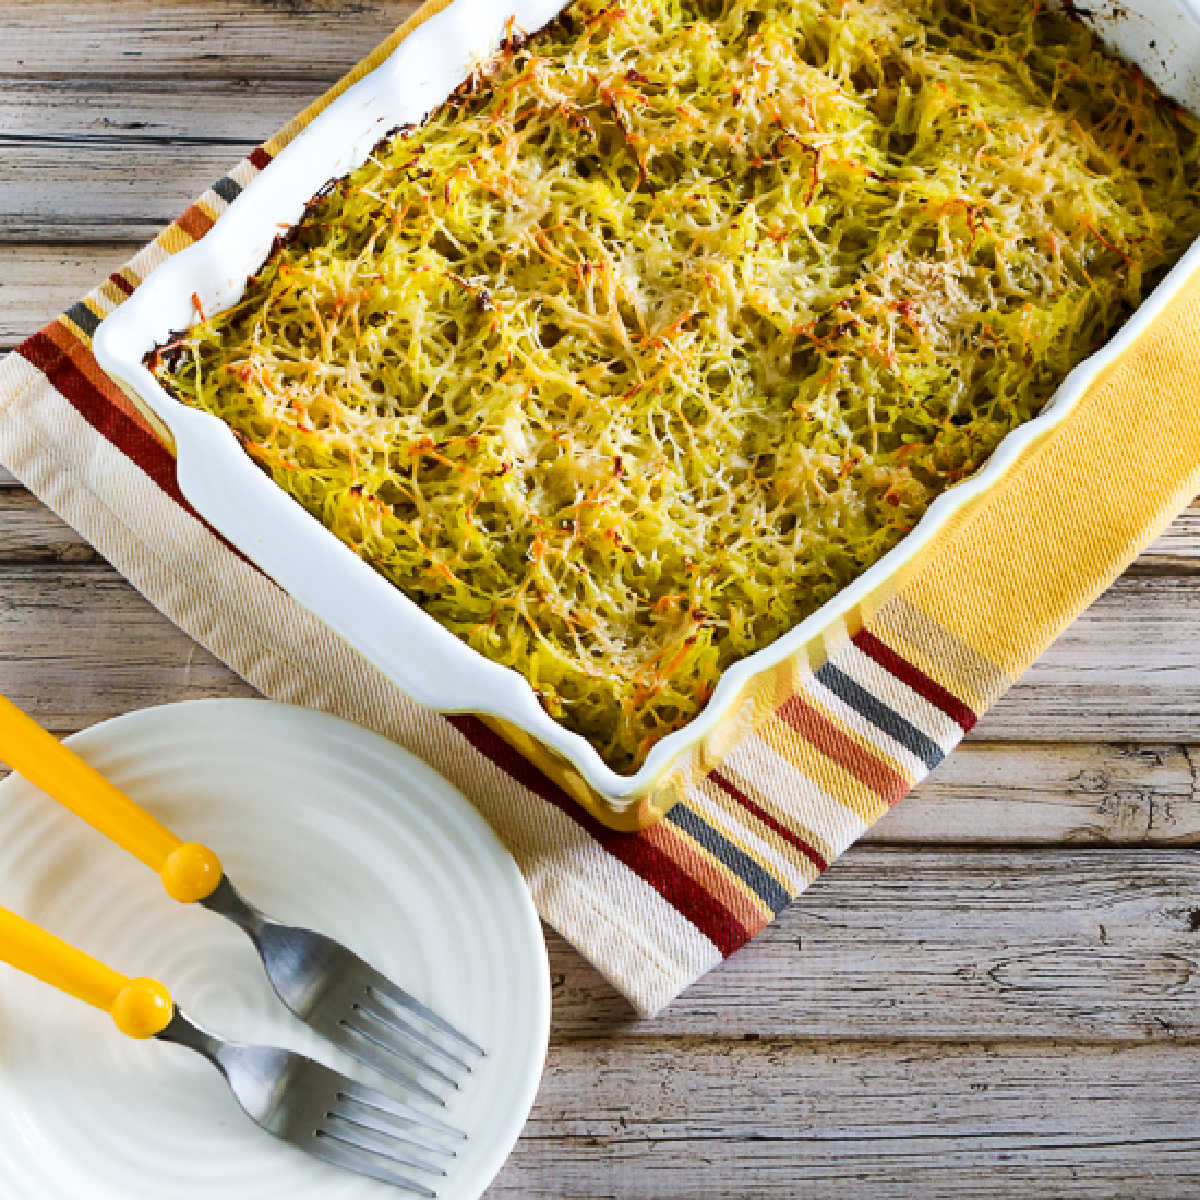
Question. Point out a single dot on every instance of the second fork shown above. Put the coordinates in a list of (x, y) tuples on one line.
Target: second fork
[(318, 1110)]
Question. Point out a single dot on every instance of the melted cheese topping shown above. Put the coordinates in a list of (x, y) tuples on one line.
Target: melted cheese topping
[(678, 315)]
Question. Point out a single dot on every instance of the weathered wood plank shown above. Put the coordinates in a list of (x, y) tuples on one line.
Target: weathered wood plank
[(111, 193), (80, 111), (986, 793), (24, 522), (1030, 793), (1084, 944), (79, 644), (1179, 545), (1177, 550), (32, 533), (37, 282), (1128, 668), (766, 1119), (182, 39), (947, 945), (168, 97)]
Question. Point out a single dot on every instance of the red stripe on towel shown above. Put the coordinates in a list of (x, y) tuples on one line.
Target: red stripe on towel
[(759, 813), (693, 901), (916, 679), (120, 281), (62, 358), (129, 436)]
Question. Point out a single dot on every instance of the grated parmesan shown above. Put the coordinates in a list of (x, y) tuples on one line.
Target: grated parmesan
[(679, 314)]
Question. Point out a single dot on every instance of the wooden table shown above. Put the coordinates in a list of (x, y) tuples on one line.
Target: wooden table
[(998, 991)]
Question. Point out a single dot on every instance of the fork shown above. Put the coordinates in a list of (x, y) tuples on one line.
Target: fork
[(325, 984), (309, 1105)]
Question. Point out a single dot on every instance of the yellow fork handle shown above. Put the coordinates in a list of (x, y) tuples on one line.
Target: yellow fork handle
[(189, 871), (138, 1007)]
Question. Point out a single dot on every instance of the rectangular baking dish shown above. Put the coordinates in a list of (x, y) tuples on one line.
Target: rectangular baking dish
[(426, 660)]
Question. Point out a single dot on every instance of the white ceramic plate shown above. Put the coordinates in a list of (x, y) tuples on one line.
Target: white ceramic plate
[(425, 659), (319, 823)]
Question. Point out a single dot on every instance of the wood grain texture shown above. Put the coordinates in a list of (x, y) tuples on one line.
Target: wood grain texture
[(773, 1118), (311, 41), (987, 793), (995, 994), (39, 281), (1128, 667), (165, 98), (1053, 793), (80, 645), (81, 112), (950, 944), (48, 194), (31, 533)]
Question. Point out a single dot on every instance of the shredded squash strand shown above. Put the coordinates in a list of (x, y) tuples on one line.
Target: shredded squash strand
[(678, 315)]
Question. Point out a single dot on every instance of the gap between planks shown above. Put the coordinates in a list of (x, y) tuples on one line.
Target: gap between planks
[(166, 98), (988, 792)]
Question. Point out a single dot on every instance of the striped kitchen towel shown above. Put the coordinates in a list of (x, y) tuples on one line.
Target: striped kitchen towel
[(820, 753)]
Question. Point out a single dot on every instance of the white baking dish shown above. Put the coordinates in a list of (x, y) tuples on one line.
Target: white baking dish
[(426, 660)]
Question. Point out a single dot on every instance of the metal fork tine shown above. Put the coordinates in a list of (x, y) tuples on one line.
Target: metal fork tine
[(373, 1098), (366, 1051), (385, 1016), (322, 1111), (382, 986), (401, 1127), (385, 1041), (334, 1150), (378, 1141)]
